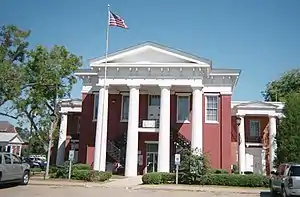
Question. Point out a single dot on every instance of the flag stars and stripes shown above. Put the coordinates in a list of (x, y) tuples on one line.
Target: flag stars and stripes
[(115, 20)]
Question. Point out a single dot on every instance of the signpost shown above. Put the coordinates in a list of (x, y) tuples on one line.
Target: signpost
[(177, 163), (71, 158)]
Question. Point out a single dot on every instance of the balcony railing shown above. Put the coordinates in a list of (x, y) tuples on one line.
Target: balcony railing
[(146, 123), (253, 139)]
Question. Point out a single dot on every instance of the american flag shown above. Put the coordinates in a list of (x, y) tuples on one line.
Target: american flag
[(115, 20)]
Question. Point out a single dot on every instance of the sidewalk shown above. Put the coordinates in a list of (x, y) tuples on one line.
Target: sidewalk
[(62, 183), (199, 188)]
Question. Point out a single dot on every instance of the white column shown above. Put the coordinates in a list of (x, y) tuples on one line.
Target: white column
[(242, 146), (272, 134), (197, 126), (132, 133), (164, 131), (101, 130), (61, 146), (20, 151)]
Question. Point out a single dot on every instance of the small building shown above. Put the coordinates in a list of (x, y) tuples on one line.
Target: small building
[(11, 142), (156, 100)]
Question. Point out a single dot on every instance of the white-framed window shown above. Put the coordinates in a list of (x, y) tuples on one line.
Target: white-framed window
[(124, 107), (212, 108), (183, 108), (96, 103), (254, 128)]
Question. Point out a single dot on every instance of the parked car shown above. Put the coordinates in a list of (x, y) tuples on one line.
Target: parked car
[(29, 161), (38, 162), (13, 169), (286, 180)]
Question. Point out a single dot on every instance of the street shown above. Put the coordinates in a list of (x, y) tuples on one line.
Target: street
[(54, 191)]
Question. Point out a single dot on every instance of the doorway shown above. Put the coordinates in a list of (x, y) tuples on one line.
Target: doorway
[(152, 157)]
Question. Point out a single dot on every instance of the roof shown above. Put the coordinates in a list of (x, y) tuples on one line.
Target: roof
[(156, 45), (10, 137), (6, 126)]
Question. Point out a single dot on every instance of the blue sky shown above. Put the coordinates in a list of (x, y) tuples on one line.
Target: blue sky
[(259, 37)]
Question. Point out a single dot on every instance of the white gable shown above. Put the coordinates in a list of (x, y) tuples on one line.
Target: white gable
[(148, 53), (16, 140), (256, 104)]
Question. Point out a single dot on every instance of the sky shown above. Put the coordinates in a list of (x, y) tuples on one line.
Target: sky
[(260, 37)]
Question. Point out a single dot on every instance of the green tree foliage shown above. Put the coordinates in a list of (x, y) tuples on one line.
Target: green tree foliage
[(193, 166), (13, 51), (32, 81), (288, 133), (279, 89)]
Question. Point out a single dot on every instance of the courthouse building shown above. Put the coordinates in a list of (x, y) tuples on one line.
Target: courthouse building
[(157, 100)]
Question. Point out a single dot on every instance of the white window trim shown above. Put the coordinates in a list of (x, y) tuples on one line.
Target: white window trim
[(177, 108), (250, 128), (211, 121), (121, 116), (94, 105)]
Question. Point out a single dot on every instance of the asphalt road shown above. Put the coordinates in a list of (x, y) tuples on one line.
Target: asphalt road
[(54, 191)]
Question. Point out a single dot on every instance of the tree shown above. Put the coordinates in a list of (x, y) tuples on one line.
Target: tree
[(13, 51), (50, 77), (288, 133), (278, 90)]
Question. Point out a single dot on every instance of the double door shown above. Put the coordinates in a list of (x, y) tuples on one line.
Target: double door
[(152, 158)]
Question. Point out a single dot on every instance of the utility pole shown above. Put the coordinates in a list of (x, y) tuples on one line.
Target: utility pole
[(54, 117)]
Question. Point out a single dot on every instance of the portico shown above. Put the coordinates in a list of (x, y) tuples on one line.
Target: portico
[(159, 72), (256, 136)]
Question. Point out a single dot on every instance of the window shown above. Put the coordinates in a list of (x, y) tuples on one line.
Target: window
[(96, 102), (7, 158), (254, 128), (125, 107), (154, 100), (15, 159), (212, 108), (183, 108)]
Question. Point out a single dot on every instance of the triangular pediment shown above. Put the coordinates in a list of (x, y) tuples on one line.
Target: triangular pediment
[(256, 104), (148, 53), (16, 140)]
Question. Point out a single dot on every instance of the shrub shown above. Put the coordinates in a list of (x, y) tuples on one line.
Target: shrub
[(152, 178), (79, 172), (84, 175), (99, 176), (211, 179), (192, 167), (236, 180)]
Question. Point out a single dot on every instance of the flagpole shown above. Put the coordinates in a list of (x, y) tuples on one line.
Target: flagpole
[(104, 85)]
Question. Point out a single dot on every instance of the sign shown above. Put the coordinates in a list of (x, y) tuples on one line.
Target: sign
[(177, 159), (71, 155), (148, 123)]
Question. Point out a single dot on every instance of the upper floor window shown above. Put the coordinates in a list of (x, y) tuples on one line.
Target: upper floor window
[(183, 108), (125, 107), (254, 128), (96, 103), (212, 106)]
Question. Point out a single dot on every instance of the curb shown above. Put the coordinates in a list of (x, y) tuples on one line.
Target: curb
[(65, 185), (198, 190)]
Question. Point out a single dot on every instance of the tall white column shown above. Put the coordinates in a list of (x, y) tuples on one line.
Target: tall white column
[(20, 150), (273, 145), (242, 146), (101, 131), (164, 131), (132, 133), (197, 126), (61, 146)]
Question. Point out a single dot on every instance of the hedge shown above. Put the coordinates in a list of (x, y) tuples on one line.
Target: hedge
[(79, 172), (211, 179)]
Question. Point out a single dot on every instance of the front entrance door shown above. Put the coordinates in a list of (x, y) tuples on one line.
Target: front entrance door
[(152, 157), (152, 162)]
